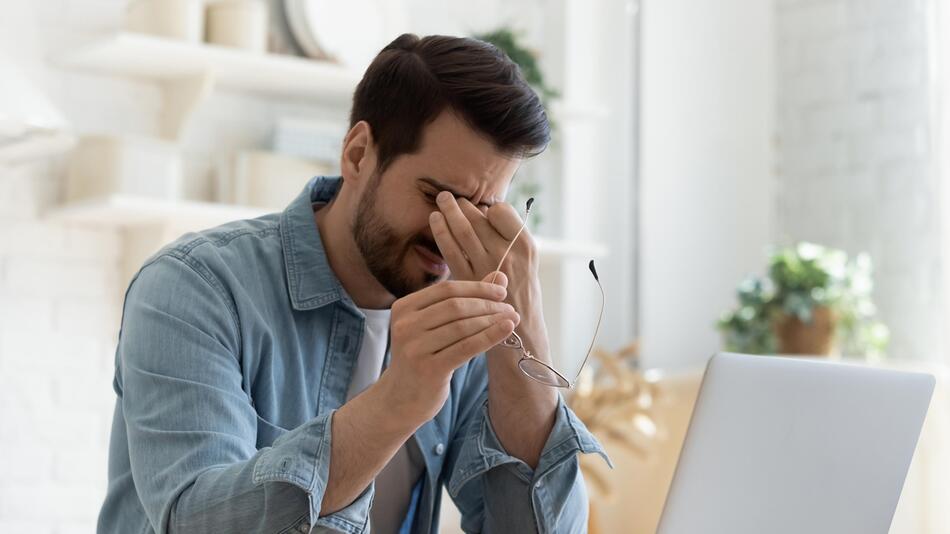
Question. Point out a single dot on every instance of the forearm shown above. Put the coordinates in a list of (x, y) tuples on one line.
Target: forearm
[(522, 410), (495, 493), (365, 436)]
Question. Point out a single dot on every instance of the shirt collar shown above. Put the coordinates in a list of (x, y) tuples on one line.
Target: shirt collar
[(310, 280)]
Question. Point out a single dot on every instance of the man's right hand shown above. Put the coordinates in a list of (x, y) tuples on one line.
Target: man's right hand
[(436, 330)]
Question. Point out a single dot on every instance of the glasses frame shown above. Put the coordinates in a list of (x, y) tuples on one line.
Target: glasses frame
[(515, 342)]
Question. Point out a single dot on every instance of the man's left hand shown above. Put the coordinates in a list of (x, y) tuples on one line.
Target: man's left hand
[(472, 242)]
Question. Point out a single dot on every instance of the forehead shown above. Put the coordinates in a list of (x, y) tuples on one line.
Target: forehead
[(454, 155)]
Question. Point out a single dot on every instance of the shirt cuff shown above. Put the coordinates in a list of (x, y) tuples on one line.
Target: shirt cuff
[(302, 457), (482, 450)]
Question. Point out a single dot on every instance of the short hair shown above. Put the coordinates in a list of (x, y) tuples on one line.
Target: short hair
[(413, 80)]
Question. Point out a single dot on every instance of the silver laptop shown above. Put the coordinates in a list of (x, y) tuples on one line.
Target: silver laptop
[(795, 445)]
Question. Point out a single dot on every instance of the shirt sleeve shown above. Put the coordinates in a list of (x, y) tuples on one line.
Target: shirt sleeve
[(497, 492), (192, 428)]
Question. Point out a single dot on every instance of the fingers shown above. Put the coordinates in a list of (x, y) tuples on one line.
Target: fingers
[(461, 228), (458, 264), (505, 220), (451, 333), (460, 308), (487, 233), (496, 277), (449, 289), (467, 348)]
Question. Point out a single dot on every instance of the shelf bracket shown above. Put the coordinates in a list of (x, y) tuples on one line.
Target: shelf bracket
[(182, 97)]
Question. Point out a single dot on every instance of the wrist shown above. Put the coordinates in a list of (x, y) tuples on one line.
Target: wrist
[(393, 410)]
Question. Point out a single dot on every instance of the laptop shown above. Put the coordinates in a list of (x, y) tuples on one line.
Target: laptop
[(795, 445)]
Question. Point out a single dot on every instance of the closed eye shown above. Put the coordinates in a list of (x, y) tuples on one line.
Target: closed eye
[(431, 195)]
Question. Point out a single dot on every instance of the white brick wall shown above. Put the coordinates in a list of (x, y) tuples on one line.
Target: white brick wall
[(58, 310), (854, 149)]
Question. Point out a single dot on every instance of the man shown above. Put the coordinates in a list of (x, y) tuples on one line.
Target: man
[(317, 371)]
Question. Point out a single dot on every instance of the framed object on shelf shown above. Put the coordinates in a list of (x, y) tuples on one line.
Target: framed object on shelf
[(265, 179), (313, 139)]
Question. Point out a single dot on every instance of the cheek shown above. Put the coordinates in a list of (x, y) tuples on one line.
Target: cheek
[(420, 222), (414, 228)]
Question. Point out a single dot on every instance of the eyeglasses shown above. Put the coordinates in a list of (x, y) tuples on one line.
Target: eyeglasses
[(531, 366)]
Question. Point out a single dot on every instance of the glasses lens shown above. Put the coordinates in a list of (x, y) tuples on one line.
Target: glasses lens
[(512, 342), (542, 373)]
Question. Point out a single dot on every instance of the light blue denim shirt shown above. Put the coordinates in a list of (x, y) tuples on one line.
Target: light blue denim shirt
[(237, 345)]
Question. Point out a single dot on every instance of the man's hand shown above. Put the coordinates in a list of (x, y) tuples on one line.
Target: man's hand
[(472, 243), (436, 330)]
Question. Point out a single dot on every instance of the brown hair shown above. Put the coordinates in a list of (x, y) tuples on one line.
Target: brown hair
[(413, 79)]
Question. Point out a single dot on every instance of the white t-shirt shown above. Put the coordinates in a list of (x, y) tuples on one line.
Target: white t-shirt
[(395, 482)]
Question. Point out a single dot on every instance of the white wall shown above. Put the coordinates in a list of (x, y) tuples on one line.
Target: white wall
[(856, 158), (58, 318), (707, 85)]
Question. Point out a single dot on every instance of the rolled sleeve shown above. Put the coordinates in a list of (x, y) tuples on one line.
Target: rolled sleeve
[(552, 496), (302, 458)]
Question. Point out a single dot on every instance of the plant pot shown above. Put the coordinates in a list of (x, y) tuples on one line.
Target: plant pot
[(816, 338)]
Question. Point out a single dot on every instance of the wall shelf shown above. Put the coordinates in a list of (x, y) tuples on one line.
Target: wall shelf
[(126, 211), (190, 72), (162, 59), (130, 211)]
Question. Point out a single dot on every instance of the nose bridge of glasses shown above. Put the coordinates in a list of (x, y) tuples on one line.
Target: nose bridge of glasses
[(513, 341)]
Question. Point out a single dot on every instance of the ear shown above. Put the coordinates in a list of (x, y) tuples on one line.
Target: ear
[(358, 160)]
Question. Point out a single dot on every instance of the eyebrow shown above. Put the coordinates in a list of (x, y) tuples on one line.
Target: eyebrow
[(443, 187)]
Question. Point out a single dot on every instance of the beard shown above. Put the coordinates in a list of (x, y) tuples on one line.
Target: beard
[(384, 251)]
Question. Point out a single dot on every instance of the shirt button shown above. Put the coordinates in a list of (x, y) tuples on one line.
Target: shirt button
[(438, 449), (537, 484), (304, 528)]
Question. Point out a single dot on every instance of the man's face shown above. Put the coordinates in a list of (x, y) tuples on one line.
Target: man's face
[(391, 223)]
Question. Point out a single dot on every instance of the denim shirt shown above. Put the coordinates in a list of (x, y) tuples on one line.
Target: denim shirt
[(237, 345)]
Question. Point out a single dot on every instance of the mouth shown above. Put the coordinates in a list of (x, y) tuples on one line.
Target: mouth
[(430, 262)]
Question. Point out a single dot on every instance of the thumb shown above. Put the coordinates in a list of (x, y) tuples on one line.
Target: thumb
[(498, 276)]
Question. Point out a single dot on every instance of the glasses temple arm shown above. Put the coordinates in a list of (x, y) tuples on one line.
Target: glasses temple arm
[(600, 318), (527, 212)]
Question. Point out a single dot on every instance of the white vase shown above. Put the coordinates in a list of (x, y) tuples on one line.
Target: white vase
[(175, 19), (237, 23)]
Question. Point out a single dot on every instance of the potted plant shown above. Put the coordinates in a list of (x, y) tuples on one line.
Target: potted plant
[(813, 301)]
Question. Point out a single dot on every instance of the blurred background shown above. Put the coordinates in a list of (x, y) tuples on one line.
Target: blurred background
[(764, 177)]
